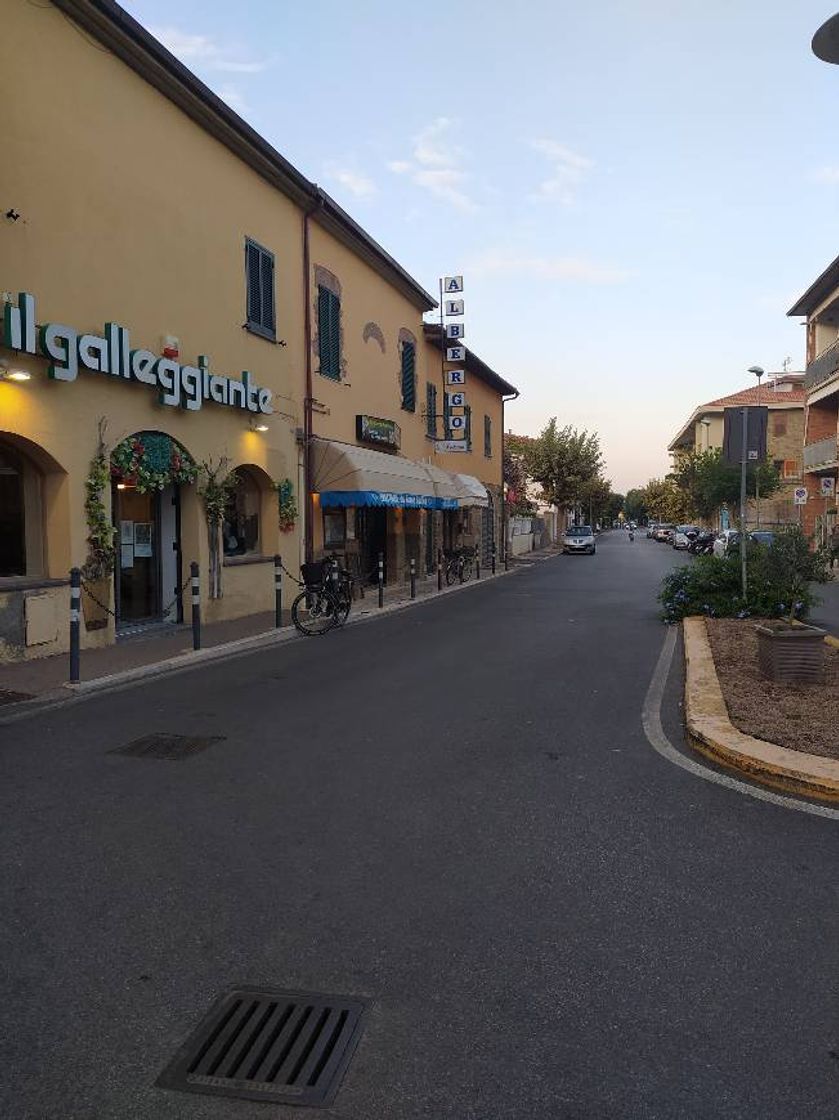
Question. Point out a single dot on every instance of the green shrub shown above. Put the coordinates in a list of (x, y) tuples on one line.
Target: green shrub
[(779, 579)]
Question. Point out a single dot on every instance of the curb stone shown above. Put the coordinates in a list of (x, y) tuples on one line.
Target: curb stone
[(712, 733)]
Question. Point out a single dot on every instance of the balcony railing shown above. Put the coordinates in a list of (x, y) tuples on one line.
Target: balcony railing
[(821, 369), (821, 454)]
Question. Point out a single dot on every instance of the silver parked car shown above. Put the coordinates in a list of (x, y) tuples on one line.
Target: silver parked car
[(579, 538)]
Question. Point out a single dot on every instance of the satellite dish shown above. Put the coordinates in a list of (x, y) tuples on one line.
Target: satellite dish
[(826, 40)]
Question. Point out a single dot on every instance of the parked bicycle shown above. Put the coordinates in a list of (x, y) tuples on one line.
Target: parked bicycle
[(326, 597), (460, 565)]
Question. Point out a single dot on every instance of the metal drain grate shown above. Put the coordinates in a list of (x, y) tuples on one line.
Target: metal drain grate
[(9, 697), (285, 1047), (173, 747)]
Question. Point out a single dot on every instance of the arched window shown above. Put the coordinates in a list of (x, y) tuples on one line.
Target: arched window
[(12, 514), (240, 528)]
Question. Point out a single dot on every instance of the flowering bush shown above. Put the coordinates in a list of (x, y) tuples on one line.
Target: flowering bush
[(778, 583), (287, 505)]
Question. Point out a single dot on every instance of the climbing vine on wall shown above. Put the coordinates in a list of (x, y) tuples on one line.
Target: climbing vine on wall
[(215, 488), (287, 505), (101, 550)]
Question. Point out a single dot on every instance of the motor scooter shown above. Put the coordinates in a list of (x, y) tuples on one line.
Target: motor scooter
[(631, 535)]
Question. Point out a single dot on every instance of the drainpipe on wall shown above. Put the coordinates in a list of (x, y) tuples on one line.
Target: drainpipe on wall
[(309, 505), (504, 400)]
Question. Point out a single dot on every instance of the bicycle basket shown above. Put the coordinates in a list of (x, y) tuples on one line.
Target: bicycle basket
[(312, 574)]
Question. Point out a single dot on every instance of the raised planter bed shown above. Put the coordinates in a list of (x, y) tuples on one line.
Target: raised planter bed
[(791, 654)]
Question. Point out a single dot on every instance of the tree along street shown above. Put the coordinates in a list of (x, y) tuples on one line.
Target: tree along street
[(454, 812)]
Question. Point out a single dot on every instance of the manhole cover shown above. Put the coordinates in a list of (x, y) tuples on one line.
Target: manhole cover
[(173, 747), (285, 1047), (9, 697)]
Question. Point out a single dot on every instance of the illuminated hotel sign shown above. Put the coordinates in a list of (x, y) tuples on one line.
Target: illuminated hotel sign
[(181, 386)]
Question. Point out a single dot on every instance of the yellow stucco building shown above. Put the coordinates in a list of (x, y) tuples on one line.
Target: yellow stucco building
[(180, 302)]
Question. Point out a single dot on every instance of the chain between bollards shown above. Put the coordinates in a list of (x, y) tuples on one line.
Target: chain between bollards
[(381, 579), (439, 570), (75, 624), (278, 591), (196, 604)]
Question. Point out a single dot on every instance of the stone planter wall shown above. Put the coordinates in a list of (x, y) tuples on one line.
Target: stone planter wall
[(794, 656)]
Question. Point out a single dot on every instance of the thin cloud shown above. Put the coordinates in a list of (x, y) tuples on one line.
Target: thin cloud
[(357, 184), (435, 164), (826, 175), (205, 52), (497, 262), (568, 172), (231, 95)]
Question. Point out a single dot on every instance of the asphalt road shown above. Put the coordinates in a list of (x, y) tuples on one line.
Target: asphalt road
[(454, 812)]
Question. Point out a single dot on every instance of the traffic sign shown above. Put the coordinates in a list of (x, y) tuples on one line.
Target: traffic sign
[(800, 495)]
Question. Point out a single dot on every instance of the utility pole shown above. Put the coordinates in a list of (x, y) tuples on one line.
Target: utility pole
[(743, 454)]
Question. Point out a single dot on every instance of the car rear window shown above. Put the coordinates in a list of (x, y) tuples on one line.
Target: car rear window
[(578, 531)]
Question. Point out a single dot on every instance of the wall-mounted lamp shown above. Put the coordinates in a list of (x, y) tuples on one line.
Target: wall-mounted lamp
[(257, 425), (7, 374)]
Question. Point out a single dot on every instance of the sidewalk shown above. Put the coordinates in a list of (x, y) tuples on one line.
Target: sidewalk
[(47, 676)]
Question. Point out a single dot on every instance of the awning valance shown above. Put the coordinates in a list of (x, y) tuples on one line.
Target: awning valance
[(345, 474)]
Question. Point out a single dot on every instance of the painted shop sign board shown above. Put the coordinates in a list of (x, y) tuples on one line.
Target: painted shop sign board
[(180, 386), (383, 433)]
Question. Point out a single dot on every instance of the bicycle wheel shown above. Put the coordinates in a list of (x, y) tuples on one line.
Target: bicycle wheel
[(344, 603), (452, 572), (314, 612)]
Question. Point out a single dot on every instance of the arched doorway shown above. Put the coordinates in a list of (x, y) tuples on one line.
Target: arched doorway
[(148, 470)]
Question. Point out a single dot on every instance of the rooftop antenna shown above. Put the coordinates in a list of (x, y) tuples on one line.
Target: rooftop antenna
[(785, 364)]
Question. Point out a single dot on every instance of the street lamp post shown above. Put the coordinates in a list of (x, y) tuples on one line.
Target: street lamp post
[(758, 372)]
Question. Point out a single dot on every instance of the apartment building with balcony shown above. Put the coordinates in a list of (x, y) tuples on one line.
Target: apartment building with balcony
[(819, 306), (783, 395)]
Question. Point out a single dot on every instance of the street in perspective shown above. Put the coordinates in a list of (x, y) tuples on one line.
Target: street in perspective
[(418, 699)]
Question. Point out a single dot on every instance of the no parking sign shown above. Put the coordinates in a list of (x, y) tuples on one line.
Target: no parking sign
[(800, 495)]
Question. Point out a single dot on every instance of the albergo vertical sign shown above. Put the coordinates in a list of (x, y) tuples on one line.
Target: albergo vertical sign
[(452, 331)]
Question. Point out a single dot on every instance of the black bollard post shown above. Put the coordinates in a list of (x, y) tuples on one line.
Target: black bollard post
[(478, 564), (493, 557), (196, 605), (439, 571), (381, 579), (506, 559), (278, 591), (413, 578), (75, 624)]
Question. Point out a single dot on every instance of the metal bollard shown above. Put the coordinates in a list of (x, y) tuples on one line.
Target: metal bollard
[(439, 571), (278, 591), (493, 557), (506, 561), (477, 565), (381, 579), (413, 578), (75, 624), (196, 605)]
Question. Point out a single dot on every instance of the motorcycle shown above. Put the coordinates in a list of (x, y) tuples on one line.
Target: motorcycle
[(702, 544), (631, 535)]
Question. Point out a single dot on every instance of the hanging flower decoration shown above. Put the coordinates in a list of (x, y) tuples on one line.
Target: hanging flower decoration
[(287, 505), (152, 461), (101, 550)]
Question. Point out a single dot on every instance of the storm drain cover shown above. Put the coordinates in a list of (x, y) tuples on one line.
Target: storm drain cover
[(280, 1046), (9, 697), (173, 747)]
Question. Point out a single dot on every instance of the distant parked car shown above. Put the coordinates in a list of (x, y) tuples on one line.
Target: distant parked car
[(683, 535), (663, 532), (579, 538), (763, 536)]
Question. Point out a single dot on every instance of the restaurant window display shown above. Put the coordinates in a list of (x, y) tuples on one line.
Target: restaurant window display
[(335, 528), (240, 528), (12, 514)]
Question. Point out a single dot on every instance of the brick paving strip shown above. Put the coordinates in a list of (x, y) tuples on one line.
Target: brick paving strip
[(43, 681), (711, 731)]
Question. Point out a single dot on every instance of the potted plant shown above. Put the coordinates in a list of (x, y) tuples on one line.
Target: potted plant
[(789, 651)]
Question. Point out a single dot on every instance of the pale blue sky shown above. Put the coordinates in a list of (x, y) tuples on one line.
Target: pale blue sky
[(635, 190)]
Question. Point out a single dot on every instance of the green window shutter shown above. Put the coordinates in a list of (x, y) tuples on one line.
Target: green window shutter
[(488, 437), (259, 289), (329, 334), (431, 409), (409, 380), (469, 426)]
